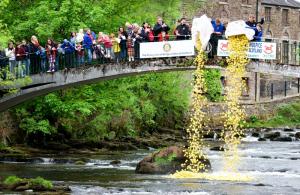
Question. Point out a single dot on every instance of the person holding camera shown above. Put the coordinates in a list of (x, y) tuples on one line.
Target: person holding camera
[(159, 28)]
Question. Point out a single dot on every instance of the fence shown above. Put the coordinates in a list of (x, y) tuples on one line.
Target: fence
[(287, 53)]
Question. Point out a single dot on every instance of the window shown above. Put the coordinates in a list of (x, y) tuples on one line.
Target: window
[(285, 17), (285, 54), (268, 14)]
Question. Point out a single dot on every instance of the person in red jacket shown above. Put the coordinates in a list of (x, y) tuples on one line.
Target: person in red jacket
[(20, 58), (163, 36)]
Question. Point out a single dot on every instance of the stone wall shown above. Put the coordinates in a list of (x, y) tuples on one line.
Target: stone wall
[(262, 110), (278, 29), (230, 10)]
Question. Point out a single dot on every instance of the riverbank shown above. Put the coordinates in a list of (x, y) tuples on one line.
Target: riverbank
[(267, 162)]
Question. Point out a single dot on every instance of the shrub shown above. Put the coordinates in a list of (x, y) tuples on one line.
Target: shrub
[(213, 84), (39, 181), (11, 180)]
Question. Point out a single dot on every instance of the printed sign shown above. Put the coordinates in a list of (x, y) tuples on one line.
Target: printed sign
[(167, 49), (257, 50)]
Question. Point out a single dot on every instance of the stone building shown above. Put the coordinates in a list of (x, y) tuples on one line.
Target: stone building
[(282, 17), (282, 21)]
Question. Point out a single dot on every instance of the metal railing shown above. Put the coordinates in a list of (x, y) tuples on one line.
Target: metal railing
[(288, 52)]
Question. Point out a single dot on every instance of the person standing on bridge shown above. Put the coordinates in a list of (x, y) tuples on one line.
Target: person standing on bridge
[(35, 55), (20, 58), (88, 41), (27, 59), (219, 30), (51, 49), (182, 31), (3, 62), (123, 36), (11, 55), (252, 23), (159, 28)]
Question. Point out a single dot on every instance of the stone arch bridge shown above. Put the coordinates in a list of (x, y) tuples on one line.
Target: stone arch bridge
[(48, 82)]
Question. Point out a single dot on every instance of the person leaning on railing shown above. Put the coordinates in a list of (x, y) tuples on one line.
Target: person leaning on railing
[(35, 58), (219, 30), (10, 53), (123, 43), (182, 31), (88, 41), (160, 30), (27, 58), (3, 63), (51, 50), (20, 58)]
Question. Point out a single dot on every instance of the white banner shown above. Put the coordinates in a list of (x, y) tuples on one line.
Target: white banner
[(167, 49), (257, 50)]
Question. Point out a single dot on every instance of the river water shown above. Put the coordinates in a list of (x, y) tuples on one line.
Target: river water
[(275, 167)]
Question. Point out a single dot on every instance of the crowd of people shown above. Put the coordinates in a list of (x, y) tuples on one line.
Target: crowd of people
[(220, 28), (82, 47), (24, 58)]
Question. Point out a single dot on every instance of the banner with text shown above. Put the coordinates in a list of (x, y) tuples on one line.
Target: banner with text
[(257, 50), (167, 49)]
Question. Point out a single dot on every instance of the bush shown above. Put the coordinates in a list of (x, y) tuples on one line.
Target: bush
[(11, 180), (253, 118), (213, 84), (165, 160), (128, 106), (33, 183), (39, 181)]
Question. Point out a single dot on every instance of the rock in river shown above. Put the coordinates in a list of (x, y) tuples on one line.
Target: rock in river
[(165, 161)]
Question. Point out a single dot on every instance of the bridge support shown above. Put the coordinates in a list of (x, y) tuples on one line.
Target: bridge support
[(257, 86)]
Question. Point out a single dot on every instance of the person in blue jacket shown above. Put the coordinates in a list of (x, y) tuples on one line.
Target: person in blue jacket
[(68, 50), (219, 30), (88, 40), (258, 33)]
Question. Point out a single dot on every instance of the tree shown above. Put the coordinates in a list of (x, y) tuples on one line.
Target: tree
[(57, 18)]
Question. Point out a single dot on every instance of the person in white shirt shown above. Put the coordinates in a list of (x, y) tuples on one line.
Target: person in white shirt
[(11, 55)]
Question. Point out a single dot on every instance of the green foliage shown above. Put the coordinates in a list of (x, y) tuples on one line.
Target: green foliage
[(213, 84), (123, 107), (33, 126), (253, 118), (12, 84), (165, 160), (39, 181), (5, 34), (57, 18), (11, 180), (286, 115)]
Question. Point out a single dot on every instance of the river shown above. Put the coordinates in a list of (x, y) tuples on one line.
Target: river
[(275, 167)]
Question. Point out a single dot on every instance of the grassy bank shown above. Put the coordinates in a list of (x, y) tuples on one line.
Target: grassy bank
[(285, 115)]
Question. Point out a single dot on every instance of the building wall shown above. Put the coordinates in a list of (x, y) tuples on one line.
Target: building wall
[(277, 28), (230, 10)]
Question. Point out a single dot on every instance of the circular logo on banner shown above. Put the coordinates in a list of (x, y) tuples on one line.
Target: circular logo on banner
[(167, 47)]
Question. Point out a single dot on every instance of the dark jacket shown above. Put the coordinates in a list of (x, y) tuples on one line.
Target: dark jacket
[(34, 49), (67, 47), (144, 35), (3, 59), (184, 32), (20, 53), (158, 29), (123, 42), (254, 24), (88, 41)]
